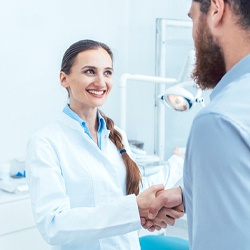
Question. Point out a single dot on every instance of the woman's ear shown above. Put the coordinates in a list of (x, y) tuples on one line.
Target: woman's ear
[(216, 12), (63, 80)]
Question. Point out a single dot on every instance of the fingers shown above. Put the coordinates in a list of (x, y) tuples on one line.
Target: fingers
[(158, 228), (160, 224), (155, 207), (152, 228), (165, 217), (159, 192), (145, 199), (180, 208), (168, 198), (173, 213), (143, 221), (149, 226), (176, 150), (159, 208), (155, 188)]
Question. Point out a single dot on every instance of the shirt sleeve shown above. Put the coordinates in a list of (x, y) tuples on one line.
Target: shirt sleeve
[(216, 184), (56, 220)]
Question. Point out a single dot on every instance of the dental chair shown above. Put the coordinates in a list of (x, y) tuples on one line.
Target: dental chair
[(160, 242)]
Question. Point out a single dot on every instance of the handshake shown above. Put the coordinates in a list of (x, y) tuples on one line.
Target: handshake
[(159, 208)]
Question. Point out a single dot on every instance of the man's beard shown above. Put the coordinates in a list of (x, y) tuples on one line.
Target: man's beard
[(210, 63)]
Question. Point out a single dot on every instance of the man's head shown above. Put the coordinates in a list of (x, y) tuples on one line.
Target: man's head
[(210, 60), (241, 8)]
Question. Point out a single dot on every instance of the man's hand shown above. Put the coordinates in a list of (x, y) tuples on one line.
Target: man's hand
[(159, 208), (170, 199), (164, 213), (145, 199)]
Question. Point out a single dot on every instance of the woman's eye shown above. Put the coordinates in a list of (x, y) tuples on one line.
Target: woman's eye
[(108, 72), (89, 71)]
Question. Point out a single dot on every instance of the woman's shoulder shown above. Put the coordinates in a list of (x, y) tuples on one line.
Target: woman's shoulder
[(56, 127), (51, 131)]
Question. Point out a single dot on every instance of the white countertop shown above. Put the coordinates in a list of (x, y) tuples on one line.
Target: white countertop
[(6, 197)]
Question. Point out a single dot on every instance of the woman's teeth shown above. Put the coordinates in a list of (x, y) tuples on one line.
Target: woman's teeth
[(95, 92)]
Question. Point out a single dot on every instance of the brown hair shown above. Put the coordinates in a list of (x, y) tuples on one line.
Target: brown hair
[(133, 176), (239, 7)]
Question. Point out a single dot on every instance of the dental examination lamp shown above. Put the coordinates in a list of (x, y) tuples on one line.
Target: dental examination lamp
[(180, 99), (176, 97)]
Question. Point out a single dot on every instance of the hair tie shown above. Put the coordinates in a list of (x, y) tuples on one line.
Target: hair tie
[(123, 151)]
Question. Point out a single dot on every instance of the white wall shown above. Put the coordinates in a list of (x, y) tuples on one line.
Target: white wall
[(35, 35)]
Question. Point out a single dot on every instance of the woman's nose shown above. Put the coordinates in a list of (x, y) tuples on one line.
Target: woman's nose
[(100, 81)]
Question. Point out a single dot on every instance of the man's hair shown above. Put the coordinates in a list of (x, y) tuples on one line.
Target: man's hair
[(241, 8)]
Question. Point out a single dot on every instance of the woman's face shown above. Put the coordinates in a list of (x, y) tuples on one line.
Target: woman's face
[(90, 79)]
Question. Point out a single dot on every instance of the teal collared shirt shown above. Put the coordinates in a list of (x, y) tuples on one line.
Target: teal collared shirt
[(102, 132)]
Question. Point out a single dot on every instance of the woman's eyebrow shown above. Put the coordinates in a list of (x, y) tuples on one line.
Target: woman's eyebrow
[(109, 68), (89, 67), (93, 67)]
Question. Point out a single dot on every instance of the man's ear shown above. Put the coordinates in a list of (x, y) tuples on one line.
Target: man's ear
[(216, 12), (63, 80)]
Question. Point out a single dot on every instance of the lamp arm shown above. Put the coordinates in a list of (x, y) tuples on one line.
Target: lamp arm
[(123, 85), (159, 139)]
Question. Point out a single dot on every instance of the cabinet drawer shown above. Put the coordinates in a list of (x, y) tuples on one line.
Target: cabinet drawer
[(15, 216)]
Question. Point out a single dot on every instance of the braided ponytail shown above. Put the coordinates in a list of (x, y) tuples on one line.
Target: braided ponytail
[(133, 176)]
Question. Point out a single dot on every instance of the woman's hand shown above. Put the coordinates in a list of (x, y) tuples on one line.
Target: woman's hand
[(146, 198)]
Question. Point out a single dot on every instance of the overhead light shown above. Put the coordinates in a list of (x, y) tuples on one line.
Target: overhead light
[(180, 99)]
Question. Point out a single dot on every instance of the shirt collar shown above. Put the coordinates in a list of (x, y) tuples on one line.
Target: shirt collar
[(102, 123), (68, 111), (239, 69)]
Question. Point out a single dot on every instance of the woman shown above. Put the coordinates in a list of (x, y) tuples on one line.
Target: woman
[(83, 183)]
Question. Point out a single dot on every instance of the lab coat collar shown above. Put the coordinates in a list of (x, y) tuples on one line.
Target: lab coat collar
[(70, 122), (74, 124)]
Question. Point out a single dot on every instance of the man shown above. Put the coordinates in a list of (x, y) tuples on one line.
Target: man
[(216, 188)]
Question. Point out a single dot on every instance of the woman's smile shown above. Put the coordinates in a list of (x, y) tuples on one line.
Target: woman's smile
[(96, 93)]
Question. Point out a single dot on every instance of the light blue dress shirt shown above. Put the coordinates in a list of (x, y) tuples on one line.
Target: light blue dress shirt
[(217, 166)]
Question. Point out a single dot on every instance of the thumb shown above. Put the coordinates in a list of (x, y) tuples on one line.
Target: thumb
[(169, 199), (156, 206), (180, 208), (152, 190), (155, 189), (145, 199)]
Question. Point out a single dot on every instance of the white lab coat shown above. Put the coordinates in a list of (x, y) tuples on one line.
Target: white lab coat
[(78, 191)]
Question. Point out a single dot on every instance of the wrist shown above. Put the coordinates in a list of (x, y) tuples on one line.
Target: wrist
[(141, 209)]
